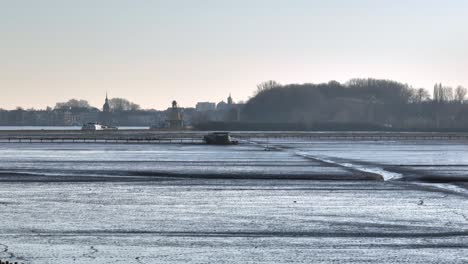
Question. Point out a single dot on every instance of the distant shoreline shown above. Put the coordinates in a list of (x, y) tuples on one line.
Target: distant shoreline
[(186, 136), (58, 128)]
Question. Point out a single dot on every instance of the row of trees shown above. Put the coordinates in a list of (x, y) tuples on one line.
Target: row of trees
[(412, 95), (385, 103), (447, 94), (116, 104)]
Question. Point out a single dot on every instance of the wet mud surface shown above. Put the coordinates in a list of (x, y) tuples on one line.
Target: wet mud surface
[(153, 204)]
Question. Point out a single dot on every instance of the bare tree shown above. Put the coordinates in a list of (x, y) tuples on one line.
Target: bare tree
[(267, 86), (443, 93), (73, 103), (448, 94), (460, 94), (122, 104), (420, 95), (436, 93)]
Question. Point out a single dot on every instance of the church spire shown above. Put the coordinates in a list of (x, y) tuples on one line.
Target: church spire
[(106, 106)]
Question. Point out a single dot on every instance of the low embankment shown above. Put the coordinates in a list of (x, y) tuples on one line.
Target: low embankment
[(150, 136)]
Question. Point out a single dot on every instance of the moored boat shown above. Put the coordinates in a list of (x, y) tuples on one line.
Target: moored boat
[(219, 138), (96, 127)]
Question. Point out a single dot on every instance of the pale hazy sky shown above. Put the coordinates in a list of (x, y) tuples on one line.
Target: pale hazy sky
[(152, 52)]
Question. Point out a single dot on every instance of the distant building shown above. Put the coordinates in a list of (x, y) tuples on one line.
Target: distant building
[(90, 116), (205, 106), (221, 106), (106, 106), (224, 111), (69, 119), (230, 111), (175, 119), (135, 118), (106, 117)]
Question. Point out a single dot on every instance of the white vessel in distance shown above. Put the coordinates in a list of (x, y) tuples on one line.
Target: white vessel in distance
[(96, 127)]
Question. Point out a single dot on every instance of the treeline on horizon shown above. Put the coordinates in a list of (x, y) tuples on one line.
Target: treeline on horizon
[(359, 104), (116, 104), (75, 112)]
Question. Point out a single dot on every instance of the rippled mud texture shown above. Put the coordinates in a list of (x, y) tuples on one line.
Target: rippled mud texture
[(72, 162), (151, 204)]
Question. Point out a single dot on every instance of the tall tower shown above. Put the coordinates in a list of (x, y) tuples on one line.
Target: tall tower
[(229, 100), (106, 107), (175, 119), (106, 118)]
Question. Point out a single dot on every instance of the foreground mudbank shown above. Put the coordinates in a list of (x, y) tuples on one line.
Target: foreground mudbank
[(232, 221), (148, 176), (419, 161), (269, 202), (94, 162), (422, 161)]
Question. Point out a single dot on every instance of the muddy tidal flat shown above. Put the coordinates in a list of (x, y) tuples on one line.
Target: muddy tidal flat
[(275, 201)]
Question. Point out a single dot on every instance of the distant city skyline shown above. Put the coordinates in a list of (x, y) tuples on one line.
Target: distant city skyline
[(106, 97), (153, 52)]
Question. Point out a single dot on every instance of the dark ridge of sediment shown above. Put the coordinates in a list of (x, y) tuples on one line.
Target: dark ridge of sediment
[(279, 147), (122, 176), (301, 234), (416, 174), (349, 169)]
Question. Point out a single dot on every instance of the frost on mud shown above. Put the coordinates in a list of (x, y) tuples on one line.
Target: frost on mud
[(123, 203)]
